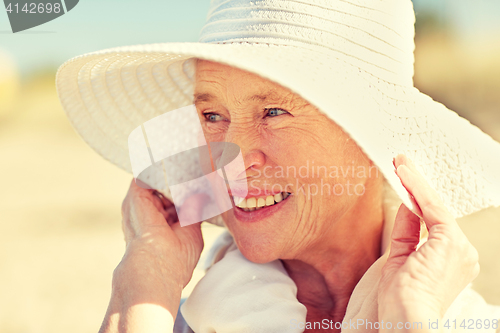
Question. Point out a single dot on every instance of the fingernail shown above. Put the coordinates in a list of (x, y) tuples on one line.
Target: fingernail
[(415, 208)]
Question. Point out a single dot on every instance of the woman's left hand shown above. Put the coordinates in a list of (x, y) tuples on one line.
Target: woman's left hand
[(418, 285)]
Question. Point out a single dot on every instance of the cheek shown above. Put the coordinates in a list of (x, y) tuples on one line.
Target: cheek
[(290, 146), (324, 160), (305, 147), (213, 133)]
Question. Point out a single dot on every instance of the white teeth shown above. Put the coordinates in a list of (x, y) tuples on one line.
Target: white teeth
[(251, 202), (240, 202), (254, 203)]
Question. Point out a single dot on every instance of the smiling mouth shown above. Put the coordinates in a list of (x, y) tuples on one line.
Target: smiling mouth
[(256, 203)]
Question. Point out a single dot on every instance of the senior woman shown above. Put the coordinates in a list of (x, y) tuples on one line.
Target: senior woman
[(320, 88)]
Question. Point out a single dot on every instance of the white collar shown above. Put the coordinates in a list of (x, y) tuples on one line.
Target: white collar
[(237, 295)]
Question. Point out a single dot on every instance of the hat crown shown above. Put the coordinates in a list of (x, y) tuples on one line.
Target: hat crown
[(375, 35)]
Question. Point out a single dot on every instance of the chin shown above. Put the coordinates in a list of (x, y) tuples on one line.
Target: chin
[(260, 235), (257, 248)]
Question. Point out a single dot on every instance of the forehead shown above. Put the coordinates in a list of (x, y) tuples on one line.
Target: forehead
[(210, 71), (213, 78), (207, 67)]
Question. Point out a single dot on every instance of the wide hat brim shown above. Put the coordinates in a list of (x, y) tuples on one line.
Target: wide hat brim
[(109, 93)]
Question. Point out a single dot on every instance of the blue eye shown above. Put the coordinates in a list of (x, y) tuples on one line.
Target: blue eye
[(213, 117), (273, 112)]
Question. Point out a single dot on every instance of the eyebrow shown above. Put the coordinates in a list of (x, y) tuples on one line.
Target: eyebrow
[(207, 97), (203, 98)]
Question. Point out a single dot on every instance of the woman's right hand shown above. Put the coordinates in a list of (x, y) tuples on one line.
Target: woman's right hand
[(151, 227), (159, 260)]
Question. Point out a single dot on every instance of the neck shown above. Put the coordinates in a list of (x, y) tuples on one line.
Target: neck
[(327, 272)]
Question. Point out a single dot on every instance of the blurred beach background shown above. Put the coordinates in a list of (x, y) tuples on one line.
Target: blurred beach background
[(60, 231)]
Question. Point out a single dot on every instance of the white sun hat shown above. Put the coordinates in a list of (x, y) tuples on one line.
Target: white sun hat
[(352, 59)]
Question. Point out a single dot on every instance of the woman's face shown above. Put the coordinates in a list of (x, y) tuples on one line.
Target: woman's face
[(287, 146)]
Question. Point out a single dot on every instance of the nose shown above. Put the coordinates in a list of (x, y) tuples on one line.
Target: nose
[(252, 157)]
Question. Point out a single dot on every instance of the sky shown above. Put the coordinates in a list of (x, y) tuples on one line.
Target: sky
[(97, 24), (468, 18)]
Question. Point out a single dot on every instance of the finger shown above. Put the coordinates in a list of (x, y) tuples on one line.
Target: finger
[(415, 207), (169, 210), (147, 207), (162, 203), (166, 202), (405, 234), (171, 215), (165, 207), (157, 201), (400, 160), (433, 210)]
